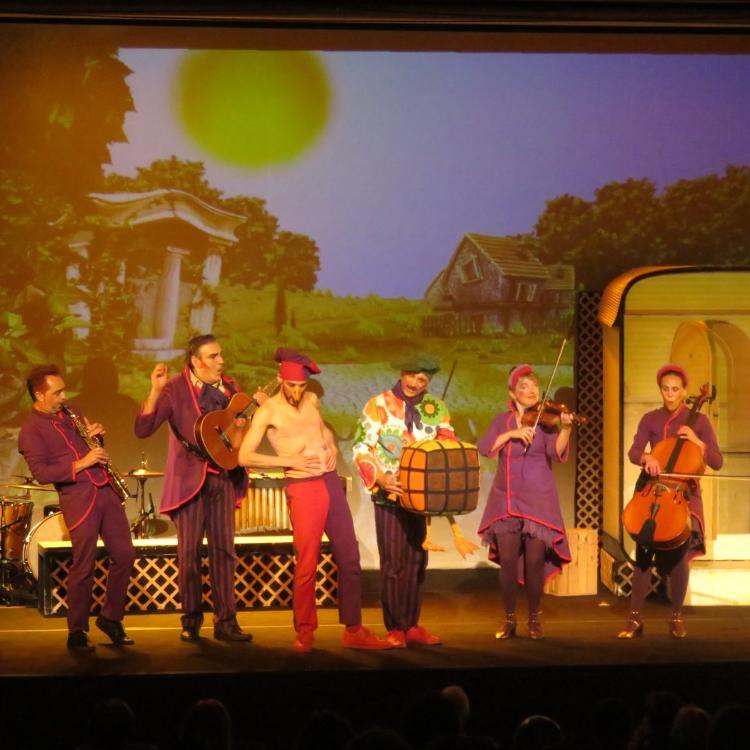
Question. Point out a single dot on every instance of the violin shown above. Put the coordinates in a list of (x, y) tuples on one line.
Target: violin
[(547, 414), (658, 515)]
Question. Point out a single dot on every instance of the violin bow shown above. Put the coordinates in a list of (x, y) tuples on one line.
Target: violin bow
[(736, 477), (549, 383), (448, 382)]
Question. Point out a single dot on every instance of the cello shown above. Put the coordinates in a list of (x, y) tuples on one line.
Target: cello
[(658, 515)]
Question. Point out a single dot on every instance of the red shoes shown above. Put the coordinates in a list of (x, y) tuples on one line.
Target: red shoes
[(397, 638), (416, 634), (303, 643), (360, 637), (422, 636)]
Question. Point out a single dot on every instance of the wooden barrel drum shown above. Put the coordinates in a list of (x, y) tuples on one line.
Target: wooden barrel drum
[(439, 477)]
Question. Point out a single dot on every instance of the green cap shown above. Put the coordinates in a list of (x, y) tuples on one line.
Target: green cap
[(419, 363)]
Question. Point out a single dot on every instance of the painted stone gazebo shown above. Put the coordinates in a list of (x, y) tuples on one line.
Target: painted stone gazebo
[(181, 225)]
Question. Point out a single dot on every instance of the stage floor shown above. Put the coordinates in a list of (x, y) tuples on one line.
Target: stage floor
[(269, 690), (580, 631)]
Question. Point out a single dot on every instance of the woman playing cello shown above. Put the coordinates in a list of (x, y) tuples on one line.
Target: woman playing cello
[(522, 522), (668, 422)]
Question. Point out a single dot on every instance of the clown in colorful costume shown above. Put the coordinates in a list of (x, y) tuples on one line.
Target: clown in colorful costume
[(382, 434), (391, 420), (522, 522)]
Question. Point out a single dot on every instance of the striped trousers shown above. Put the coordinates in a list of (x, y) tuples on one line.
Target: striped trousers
[(210, 512), (402, 564)]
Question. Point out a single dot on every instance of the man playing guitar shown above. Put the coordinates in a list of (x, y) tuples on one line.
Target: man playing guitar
[(199, 497)]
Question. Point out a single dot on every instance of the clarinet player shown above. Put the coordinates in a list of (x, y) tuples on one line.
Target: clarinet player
[(65, 450)]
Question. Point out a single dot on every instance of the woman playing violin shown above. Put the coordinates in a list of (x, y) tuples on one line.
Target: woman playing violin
[(522, 522), (655, 426)]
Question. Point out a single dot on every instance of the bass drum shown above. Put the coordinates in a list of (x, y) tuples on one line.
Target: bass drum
[(49, 529)]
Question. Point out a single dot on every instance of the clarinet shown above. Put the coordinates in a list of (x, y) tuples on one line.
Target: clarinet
[(115, 480)]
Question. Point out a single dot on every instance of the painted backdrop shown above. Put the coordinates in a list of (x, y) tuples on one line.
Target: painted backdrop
[(358, 205)]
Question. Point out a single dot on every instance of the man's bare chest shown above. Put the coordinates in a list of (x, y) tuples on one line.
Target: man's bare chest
[(290, 422)]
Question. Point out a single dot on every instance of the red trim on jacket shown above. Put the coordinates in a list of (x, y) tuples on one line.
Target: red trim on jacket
[(191, 390), (206, 468), (671, 419), (58, 427), (87, 513), (510, 514)]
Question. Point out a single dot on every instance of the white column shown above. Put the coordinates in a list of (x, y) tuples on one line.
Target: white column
[(203, 310), (168, 297)]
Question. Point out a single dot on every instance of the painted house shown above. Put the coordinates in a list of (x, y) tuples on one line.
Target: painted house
[(497, 284)]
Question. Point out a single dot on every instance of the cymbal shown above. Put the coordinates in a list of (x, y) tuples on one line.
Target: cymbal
[(143, 474), (30, 486)]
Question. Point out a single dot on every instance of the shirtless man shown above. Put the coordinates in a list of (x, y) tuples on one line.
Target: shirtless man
[(305, 449)]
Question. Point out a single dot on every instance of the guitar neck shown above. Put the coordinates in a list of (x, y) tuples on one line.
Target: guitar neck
[(269, 389)]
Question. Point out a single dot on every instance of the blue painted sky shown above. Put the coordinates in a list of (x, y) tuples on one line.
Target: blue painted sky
[(424, 147)]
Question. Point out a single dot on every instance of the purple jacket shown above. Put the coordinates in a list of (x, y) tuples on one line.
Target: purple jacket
[(51, 445), (660, 424), (186, 470), (524, 486)]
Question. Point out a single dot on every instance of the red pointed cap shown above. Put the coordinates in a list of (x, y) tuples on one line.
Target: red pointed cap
[(293, 365)]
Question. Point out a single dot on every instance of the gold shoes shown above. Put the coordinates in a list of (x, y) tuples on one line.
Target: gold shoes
[(633, 627), (677, 625), (536, 632), (508, 630)]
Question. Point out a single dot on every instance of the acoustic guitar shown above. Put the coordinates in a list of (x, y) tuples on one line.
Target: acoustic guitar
[(219, 433)]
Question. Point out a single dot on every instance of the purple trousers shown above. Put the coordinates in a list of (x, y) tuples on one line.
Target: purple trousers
[(402, 564), (316, 505), (210, 512), (108, 520)]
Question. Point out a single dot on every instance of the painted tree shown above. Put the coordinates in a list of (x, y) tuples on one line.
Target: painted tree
[(257, 235), (709, 218), (64, 103), (167, 174), (628, 225), (297, 261), (36, 323)]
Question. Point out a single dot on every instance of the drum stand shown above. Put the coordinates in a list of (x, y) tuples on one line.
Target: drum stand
[(146, 523)]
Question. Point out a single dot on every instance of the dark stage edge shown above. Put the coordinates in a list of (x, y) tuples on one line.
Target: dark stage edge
[(269, 689)]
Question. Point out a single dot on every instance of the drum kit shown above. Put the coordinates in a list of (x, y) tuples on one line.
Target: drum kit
[(19, 540), (15, 523)]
